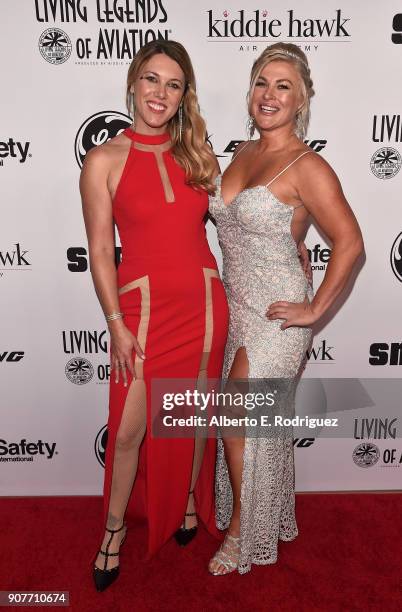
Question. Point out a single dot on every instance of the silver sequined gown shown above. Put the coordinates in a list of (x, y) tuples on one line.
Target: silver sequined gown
[(260, 266)]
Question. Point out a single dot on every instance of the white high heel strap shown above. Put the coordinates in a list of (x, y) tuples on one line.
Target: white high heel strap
[(223, 556)]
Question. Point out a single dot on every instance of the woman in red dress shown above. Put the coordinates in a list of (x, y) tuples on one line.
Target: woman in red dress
[(165, 305)]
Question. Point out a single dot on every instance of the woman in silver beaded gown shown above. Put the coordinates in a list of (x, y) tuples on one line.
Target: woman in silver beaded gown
[(261, 208)]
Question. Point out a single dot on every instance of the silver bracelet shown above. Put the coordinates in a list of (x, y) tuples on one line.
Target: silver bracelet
[(114, 316)]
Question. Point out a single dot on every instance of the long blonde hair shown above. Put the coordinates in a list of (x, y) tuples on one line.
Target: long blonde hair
[(191, 151), (289, 53)]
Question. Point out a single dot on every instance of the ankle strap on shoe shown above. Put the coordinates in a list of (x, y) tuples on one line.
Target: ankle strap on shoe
[(115, 530)]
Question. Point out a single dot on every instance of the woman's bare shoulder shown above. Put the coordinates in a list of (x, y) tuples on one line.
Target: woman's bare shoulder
[(106, 154), (314, 166), (240, 147)]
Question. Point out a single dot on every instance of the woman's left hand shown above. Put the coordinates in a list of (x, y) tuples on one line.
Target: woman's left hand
[(299, 314)]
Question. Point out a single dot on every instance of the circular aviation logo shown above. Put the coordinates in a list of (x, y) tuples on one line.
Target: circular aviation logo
[(396, 257), (100, 445), (386, 163), (366, 455), (79, 370), (96, 130), (55, 46)]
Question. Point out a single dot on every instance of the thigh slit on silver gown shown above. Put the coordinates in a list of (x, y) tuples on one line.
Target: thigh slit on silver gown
[(260, 266)]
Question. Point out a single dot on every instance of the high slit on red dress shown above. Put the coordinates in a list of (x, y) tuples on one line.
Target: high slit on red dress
[(175, 304)]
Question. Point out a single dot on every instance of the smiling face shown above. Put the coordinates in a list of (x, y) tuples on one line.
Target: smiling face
[(277, 96), (158, 90)]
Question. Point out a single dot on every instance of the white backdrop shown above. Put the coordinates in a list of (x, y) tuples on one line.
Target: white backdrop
[(50, 314)]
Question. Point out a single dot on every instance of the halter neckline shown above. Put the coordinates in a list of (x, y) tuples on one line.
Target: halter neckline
[(150, 139)]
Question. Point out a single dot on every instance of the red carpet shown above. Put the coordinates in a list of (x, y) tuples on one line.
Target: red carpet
[(347, 558)]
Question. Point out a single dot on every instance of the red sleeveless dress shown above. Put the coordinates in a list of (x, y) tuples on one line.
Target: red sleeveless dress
[(175, 304)]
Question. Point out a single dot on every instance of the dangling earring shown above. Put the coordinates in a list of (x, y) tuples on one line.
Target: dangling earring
[(299, 125), (133, 106), (180, 121), (250, 127)]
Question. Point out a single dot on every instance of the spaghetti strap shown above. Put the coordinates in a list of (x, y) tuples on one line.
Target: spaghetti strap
[(286, 168), (237, 152)]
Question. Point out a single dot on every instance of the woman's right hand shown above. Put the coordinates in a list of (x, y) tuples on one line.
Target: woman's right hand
[(123, 344)]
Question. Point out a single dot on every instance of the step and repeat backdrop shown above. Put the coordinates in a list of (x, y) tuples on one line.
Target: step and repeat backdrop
[(63, 66)]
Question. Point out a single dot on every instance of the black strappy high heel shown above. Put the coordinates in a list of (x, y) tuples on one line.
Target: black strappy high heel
[(184, 536), (103, 578)]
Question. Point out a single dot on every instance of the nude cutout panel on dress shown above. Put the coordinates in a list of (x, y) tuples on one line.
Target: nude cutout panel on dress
[(209, 274), (158, 151), (142, 284)]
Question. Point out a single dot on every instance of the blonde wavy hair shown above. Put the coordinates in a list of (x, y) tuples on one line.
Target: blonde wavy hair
[(191, 151), (294, 55)]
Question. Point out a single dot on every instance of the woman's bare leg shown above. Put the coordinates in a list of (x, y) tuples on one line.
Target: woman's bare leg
[(128, 440), (199, 448), (234, 450)]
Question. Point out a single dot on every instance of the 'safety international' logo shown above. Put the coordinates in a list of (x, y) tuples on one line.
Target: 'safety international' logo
[(26, 451), (319, 257), (14, 149)]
